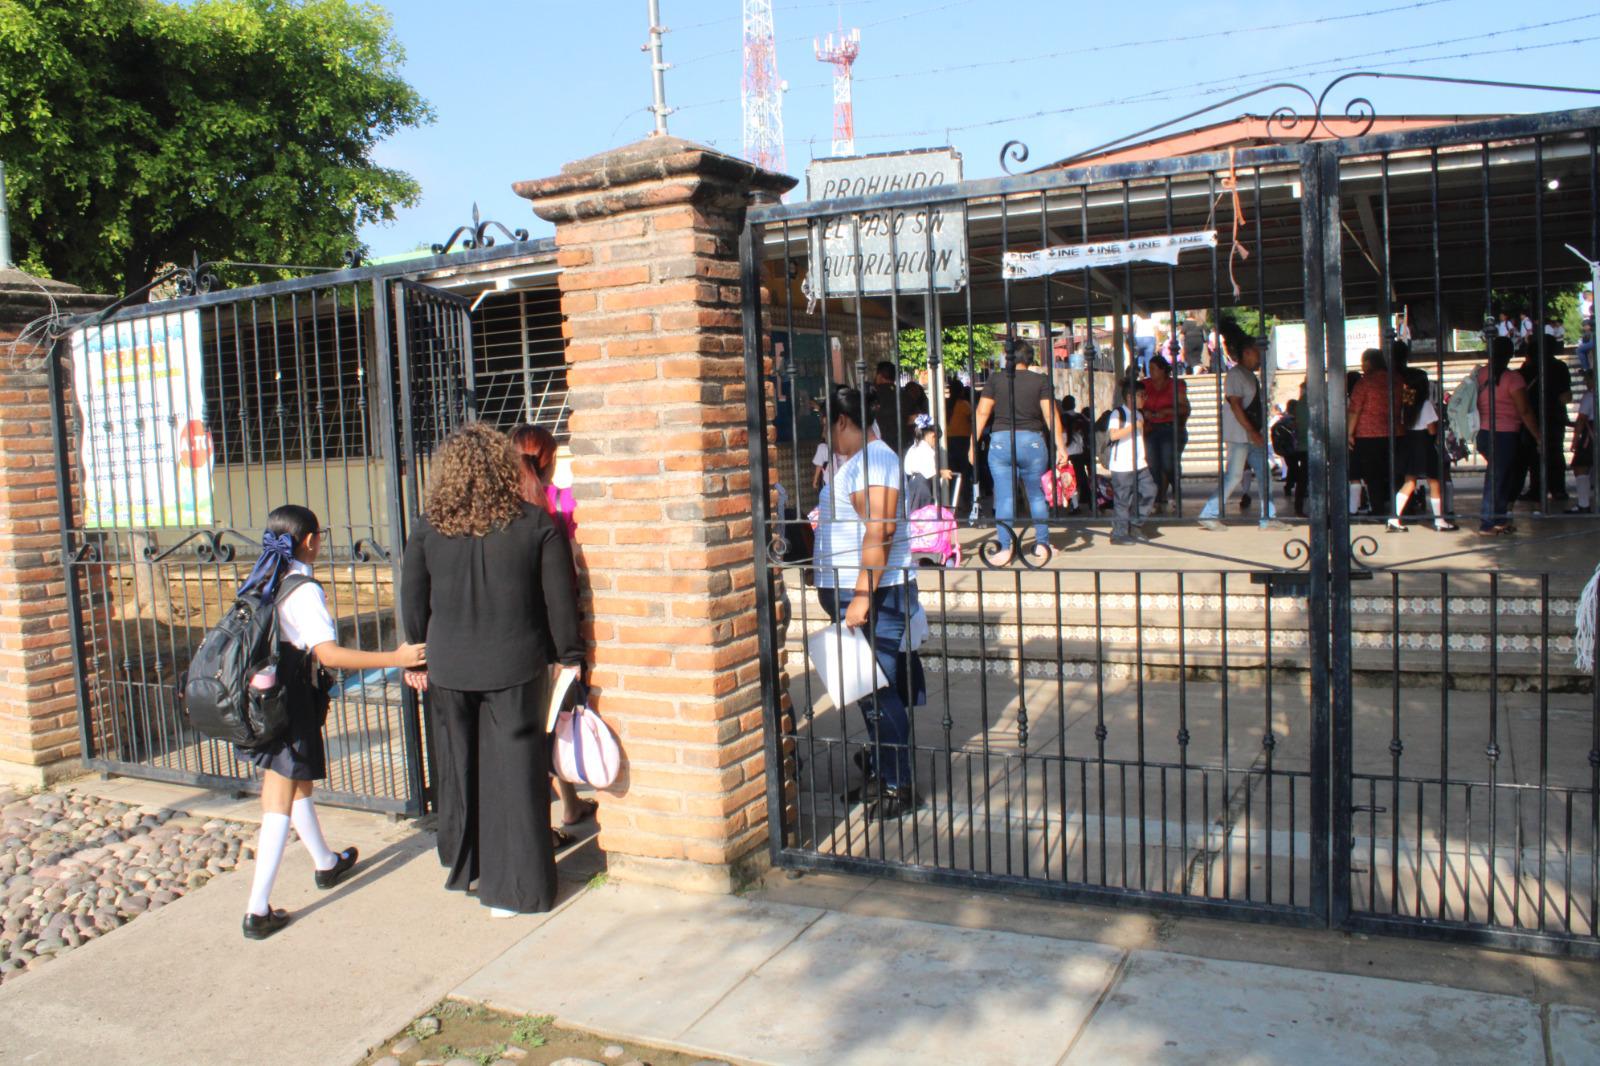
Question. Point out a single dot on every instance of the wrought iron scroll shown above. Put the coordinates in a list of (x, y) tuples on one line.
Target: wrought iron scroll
[(477, 235), (1287, 124)]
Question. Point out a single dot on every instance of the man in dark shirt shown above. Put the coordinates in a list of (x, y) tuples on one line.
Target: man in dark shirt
[(1549, 391)]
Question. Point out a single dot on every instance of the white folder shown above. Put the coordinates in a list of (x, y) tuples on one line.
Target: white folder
[(845, 661)]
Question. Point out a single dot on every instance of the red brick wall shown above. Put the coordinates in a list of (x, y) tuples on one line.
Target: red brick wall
[(38, 705), (648, 245)]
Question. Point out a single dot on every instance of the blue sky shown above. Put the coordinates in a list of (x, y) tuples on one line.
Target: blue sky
[(523, 86)]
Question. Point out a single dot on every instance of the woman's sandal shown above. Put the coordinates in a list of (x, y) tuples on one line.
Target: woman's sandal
[(589, 808), (559, 841)]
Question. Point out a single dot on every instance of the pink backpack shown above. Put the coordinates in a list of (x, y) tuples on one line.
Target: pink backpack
[(583, 749), (1060, 485), (933, 532)]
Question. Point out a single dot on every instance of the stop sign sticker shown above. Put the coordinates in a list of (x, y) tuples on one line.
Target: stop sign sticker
[(194, 446)]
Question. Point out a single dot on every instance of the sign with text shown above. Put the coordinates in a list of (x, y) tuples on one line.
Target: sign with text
[(1289, 342), (1163, 248), (146, 452), (903, 249)]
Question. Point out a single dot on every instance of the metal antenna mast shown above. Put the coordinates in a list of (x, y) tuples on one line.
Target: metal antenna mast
[(761, 93), (842, 56), (658, 69)]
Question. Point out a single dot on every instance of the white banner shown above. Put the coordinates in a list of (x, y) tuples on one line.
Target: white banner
[(1162, 249), (146, 453)]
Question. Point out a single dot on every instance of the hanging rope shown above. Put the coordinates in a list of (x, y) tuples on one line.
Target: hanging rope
[(1583, 640)]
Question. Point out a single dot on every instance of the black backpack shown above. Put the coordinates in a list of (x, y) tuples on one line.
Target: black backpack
[(218, 698)]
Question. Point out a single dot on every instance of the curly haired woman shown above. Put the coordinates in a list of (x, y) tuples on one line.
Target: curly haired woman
[(489, 576)]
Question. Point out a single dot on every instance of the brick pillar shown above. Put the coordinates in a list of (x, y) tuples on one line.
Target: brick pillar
[(38, 693), (647, 239)]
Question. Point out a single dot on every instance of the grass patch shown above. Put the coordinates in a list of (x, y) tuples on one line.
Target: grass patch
[(530, 1031), (597, 881)]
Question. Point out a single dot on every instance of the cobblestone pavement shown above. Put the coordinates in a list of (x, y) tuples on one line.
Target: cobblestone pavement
[(75, 867)]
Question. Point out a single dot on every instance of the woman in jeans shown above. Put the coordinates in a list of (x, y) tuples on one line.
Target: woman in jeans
[(1503, 411), (1166, 414), (864, 577), (1018, 407)]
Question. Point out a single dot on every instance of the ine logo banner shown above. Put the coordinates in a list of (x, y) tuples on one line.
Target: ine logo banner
[(1163, 248), (145, 452), (908, 250)]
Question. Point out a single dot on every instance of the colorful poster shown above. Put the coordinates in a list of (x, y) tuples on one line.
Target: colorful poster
[(146, 453)]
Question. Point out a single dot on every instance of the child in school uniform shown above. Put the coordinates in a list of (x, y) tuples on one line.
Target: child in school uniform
[(1132, 486), (308, 645)]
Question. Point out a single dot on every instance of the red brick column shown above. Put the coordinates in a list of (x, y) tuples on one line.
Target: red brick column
[(38, 693), (648, 245)]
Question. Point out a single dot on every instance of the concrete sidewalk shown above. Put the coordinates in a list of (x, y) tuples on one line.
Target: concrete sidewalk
[(849, 978), (824, 969), (179, 986)]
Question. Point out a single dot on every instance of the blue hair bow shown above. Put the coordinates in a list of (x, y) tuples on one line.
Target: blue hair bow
[(277, 552)]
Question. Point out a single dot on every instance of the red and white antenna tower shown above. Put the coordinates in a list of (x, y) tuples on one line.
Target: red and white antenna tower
[(842, 56), (762, 92)]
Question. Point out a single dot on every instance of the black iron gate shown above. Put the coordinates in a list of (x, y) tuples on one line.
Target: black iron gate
[(183, 424), (1269, 724)]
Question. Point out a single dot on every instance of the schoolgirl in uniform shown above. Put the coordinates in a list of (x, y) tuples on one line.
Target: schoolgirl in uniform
[(308, 645)]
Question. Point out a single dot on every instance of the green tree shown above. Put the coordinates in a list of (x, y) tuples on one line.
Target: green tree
[(138, 132), (985, 348)]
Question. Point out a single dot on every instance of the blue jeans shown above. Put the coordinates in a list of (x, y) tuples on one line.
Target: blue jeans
[(1500, 451), (1146, 347), (1030, 463), (1239, 457), (887, 711)]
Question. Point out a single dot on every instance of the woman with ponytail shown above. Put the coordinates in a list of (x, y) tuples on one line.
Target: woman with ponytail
[(308, 646)]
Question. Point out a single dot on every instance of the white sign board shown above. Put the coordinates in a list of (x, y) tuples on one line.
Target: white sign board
[(1162, 248), (1289, 342), (904, 249), (146, 453)]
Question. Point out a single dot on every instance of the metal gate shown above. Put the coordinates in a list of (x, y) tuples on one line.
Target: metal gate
[(331, 391), (1258, 723)]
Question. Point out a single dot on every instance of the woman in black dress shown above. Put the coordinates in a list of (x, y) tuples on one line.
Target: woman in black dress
[(488, 580)]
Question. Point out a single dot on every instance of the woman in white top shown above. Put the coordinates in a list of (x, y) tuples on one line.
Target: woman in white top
[(864, 578), (1418, 453), (308, 645)]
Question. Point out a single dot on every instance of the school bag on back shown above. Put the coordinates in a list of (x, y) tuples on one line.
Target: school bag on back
[(232, 691)]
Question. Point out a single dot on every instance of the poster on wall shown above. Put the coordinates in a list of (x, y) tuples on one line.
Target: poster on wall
[(1289, 342), (146, 452)]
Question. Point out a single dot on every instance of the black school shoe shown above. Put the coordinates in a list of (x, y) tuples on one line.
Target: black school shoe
[(261, 926), (332, 876)]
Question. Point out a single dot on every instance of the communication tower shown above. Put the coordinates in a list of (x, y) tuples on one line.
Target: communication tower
[(842, 56), (761, 92)]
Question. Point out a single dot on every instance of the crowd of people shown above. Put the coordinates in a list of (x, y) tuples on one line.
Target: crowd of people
[(1012, 441)]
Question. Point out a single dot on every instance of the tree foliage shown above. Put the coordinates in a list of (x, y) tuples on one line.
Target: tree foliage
[(138, 132), (984, 348)]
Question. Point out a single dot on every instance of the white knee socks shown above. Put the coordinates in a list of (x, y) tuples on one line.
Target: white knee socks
[(1355, 497), (269, 853), (1400, 501), (1583, 491), (304, 816)]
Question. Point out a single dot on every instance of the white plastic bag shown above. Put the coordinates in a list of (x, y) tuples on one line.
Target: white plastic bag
[(845, 661)]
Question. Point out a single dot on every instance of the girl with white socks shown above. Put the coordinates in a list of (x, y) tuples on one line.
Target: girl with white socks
[(308, 646)]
